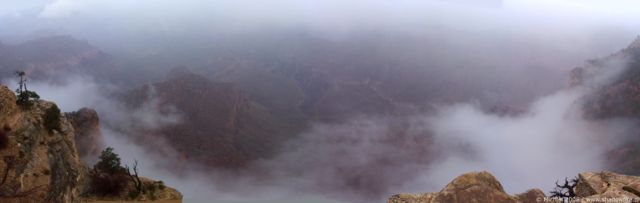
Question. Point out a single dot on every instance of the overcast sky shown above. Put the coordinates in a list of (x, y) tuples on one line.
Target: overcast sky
[(604, 26), (622, 12)]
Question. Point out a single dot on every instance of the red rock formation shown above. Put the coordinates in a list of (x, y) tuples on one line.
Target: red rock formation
[(483, 187), (217, 125), (471, 187), (87, 133), (618, 98)]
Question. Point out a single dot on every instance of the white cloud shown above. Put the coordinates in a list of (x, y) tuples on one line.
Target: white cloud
[(62, 8)]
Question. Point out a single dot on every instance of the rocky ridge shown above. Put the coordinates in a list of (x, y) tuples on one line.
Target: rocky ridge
[(46, 57), (216, 125), (87, 135), (483, 187), (39, 164)]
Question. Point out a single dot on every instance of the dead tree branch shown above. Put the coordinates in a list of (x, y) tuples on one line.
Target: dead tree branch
[(134, 177)]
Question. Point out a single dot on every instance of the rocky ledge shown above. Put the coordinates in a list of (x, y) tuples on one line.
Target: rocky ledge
[(483, 187), (39, 162)]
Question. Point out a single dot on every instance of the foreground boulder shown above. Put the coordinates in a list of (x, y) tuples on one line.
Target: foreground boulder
[(483, 187), (470, 187), (604, 185)]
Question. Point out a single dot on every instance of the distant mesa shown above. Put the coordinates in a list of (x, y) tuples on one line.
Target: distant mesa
[(50, 56)]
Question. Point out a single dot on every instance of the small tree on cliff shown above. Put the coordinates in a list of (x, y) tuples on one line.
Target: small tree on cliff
[(135, 179), (109, 162), (108, 177), (24, 95)]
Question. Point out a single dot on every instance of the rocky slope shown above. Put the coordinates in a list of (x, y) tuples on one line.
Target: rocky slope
[(483, 187), (87, 133), (216, 125), (618, 97), (40, 164)]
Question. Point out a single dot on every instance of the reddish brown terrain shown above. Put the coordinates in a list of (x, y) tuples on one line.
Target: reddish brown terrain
[(618, 99), (218, 126), (87, 133)]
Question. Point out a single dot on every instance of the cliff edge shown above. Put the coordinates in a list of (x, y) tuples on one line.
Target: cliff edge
[(41, 163), (37, 164)]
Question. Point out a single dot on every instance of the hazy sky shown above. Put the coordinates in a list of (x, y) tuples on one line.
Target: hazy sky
[(332, 12)]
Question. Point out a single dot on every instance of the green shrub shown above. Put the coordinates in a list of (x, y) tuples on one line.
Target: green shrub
[(52, 118), (134, 194), (109, 163), (161, 185), (24, 98), (108, 177)]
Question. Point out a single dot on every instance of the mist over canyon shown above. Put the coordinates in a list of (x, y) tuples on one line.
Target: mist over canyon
[(339, 101)]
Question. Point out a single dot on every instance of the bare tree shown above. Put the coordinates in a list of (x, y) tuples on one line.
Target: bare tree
[(22, 82), (566, 190), (134, 177)]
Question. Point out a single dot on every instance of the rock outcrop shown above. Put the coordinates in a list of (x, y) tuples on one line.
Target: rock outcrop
[(603, 185), (614, 84), (214, 124), (483, 187), (41, 164), (470, 187), (38, 165), (87, 133)]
